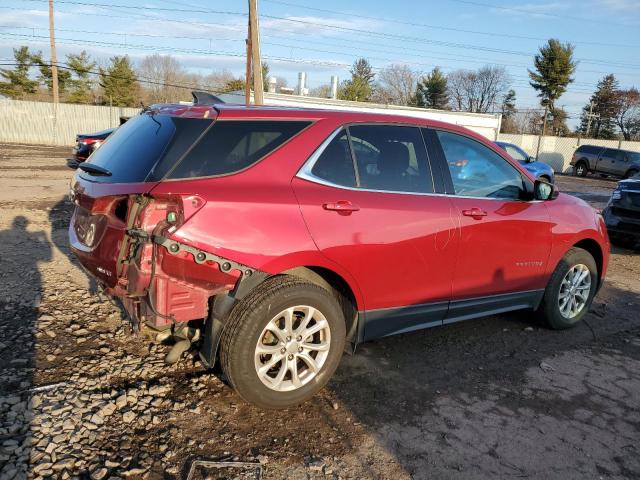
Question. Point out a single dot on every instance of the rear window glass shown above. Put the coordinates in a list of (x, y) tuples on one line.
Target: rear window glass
[(133, 150), (589, 149), (230, 146)]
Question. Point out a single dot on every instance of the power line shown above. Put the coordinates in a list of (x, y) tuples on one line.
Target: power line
[(529, 12), (318, 24), (80, 42), (440, 27), (462, 58)]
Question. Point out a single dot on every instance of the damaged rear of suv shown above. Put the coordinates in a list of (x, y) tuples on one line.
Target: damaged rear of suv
[(165, 224)]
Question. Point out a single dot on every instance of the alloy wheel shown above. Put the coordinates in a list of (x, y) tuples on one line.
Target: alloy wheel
[(292, 348), (574, 291)]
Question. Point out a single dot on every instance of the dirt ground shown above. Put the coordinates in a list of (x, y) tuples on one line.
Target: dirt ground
[(498, 397)]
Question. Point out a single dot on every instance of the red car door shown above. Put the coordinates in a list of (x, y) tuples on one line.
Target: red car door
[(505, 239), (381, 223)]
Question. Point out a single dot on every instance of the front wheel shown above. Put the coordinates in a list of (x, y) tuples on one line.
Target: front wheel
[(283, 342), (581, 169), (570, 290)]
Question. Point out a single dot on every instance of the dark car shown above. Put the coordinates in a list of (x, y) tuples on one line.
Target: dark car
[(271, 238), (622, 213), (607, 161), (540, 170), (86, 143)]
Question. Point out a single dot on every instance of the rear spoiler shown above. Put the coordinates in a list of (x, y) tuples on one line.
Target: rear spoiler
[(205, 98)]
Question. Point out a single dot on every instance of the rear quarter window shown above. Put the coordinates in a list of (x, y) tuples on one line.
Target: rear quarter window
[(229, 146)]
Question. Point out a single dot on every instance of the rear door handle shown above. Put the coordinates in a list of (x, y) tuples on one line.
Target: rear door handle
[(341, 206), (474, 212)]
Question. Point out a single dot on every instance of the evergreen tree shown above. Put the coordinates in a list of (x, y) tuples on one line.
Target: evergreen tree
[(80, 85), (17, 83), (238, 84), (431, 91), (360, 86), (554, 66), (605, 102), (508, 110), (119, 83), (46, 75)]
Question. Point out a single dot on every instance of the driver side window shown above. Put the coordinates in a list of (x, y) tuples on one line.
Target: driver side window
[(477, 171)]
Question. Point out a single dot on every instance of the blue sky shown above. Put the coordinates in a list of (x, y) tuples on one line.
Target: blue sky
[(323, 38)]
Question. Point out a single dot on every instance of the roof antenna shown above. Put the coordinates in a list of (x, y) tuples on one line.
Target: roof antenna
[(205, 98)]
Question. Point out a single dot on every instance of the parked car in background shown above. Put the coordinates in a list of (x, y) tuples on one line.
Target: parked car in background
[(539, 170), (607, 161), (622, 213), (269, 238), (86, 143)]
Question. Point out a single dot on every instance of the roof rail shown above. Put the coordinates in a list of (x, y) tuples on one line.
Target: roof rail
[(205, 98)]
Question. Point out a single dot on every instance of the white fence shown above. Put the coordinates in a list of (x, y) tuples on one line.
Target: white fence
[(43, 123), (557, 151)]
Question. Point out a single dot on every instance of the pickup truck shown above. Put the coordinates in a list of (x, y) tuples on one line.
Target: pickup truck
[(608, 161)]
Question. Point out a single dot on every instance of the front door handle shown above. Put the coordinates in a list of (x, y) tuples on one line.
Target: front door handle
[(474, 212), (344, 207)]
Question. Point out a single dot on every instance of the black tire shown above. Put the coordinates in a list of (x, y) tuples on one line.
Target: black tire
[(630, 173), (245, 325), (581, 169), (622, 241), (549, 307)]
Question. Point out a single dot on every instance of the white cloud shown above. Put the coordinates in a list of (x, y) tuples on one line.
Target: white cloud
[(621, 6)]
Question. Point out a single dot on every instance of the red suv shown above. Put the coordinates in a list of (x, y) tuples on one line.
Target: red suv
[(273, 238)]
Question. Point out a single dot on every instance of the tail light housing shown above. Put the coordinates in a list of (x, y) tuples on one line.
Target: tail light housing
[(89, 227)]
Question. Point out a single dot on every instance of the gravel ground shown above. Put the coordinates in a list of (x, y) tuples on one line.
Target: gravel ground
[(493, 398)]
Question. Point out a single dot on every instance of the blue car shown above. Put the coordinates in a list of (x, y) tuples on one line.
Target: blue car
[(540, 170)]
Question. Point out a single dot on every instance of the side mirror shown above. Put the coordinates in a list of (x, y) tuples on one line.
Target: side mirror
[(544, 190), (531, 159)]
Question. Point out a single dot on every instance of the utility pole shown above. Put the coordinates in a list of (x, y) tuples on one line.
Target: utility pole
[(247, 78), (54, 60), (544, 119), (258, 85), (590, 116)]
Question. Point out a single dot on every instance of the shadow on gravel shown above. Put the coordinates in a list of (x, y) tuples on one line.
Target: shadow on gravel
[(21, 251), (504, 396), (60, 218)]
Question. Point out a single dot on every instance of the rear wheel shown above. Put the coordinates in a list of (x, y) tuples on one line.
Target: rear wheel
[(631, 173), (283, 342), (581, 169), (570, 290)]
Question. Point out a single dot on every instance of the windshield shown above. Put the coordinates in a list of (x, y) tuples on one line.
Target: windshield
[(134, 149)]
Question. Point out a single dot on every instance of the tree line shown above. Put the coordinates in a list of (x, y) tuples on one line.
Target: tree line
[(156, 79), (612, 112)]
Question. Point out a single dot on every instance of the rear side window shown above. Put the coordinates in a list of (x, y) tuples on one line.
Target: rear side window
[(230, 146), (391, 158)]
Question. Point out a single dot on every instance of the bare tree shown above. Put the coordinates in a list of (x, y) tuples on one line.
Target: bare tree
[(163, 78), (396, 85), (477, 91), (627, 115)]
